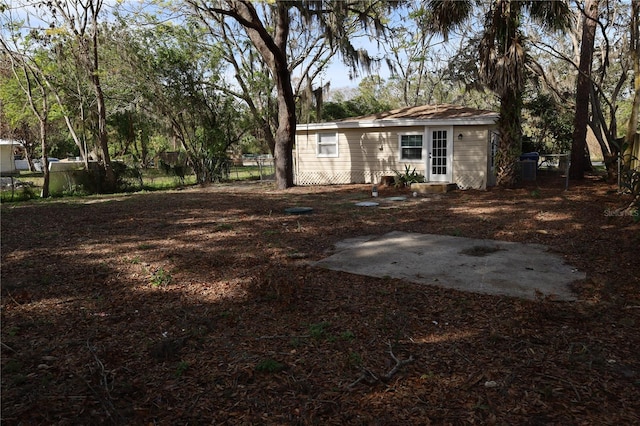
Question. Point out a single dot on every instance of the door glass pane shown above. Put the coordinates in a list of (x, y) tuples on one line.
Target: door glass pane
[(439, 152)]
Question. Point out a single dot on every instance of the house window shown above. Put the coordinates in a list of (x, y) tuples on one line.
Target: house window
[(327, 145), (411, 147)]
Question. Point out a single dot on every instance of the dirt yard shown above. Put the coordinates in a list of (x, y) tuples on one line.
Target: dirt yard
[(201, 307)]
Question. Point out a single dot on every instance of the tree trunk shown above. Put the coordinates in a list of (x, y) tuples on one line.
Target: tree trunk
[(285, 134), (605, 136), (632, 125), (102, 112), (283, 153), (273, 50), (265, 128), (103, 142), (583, 89), (510, 144), (144, 148), (45, 153)]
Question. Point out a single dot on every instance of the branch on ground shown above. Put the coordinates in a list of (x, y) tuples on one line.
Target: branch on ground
[(370, 378)]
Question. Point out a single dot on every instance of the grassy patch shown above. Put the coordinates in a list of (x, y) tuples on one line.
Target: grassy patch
[(21, 194), (161, 278), (319, 330), (181, 368), (224, 227)]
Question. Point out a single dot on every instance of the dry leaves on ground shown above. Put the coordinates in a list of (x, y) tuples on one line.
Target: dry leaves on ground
[(203, 306)]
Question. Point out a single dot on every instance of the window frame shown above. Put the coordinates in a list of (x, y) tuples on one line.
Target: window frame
[(401, 146), (320, 143)]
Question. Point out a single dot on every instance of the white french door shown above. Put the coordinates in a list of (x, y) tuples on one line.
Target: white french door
[(440, 158)]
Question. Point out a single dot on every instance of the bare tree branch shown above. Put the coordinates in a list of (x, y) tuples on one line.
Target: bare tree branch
[(370, 378)]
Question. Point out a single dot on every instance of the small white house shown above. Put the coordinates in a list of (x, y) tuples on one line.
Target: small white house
[(445, 143), (7, 163)]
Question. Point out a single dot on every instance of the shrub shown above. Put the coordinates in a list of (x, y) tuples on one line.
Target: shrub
[(407, 177)]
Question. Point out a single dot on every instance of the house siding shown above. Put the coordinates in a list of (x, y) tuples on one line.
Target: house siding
[(470, 157), (365, 155)]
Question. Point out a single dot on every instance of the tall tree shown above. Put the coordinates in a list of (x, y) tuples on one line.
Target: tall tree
[(631, 138), (583, 89), (177, 75), (29, 79), (16, 121), (269, 32), (502, 59), (612, 65), (254, 85), (78, 23), (37, 48)]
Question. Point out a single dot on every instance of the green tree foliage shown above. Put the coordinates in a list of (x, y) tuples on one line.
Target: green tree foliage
[(175, 76), (372, 97), (548, 125), (22, 121), (27, 75), (133, 130), (355, 107), (62, 40), (19, 121), (254, 86), (416, 63), (77, 24), (607, 97)]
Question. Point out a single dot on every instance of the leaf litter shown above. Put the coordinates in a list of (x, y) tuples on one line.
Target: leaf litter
[(202, 306)]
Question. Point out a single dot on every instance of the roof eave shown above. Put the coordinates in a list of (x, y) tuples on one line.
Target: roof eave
[(370, 124), (11, 142)]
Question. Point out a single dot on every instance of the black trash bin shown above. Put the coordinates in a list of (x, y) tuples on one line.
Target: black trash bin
[(529, 166), (534, 156)]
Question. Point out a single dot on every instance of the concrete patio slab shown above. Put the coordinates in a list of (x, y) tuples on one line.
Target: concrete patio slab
[(483, 266)]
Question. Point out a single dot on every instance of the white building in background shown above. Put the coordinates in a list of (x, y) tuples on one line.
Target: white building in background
[(7, 156)]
